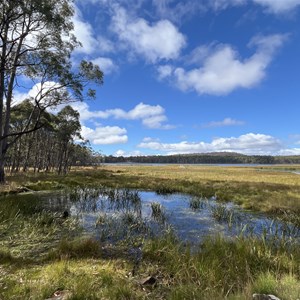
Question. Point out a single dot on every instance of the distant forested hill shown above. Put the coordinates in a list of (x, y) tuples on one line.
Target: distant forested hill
[(206, 158)]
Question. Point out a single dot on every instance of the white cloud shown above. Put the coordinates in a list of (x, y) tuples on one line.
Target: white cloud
[(223, 71), (106, 64), (150, 139), (279, 6), (164, 71), (105, 135), (199, 54), (41, 93), (154, 42), (151, 116), (272, 6), (248, 144), (84, 34), (177, 10), (292, 151), (127, 154), (223, 4), (87, 114), (223, 123), (91, 42), (105, 45), (18, 97)]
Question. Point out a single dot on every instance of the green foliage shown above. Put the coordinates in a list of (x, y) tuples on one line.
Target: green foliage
[(37, 42)]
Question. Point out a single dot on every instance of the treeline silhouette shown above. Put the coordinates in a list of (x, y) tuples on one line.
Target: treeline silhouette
[(205, 158)]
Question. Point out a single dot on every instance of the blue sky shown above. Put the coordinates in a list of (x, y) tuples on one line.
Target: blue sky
[(192, 76)]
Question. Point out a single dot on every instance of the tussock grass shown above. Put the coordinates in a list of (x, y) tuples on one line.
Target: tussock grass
[(222, 268)]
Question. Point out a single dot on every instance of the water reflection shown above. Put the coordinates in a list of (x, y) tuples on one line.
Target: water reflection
[(115, 214)]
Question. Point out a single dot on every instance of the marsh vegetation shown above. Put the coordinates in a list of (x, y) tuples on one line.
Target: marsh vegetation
[(191, 235)]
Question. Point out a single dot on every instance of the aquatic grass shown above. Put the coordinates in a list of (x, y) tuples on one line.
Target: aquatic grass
[(222, 213), (291, 217), (30, 236), (257, 188), (196, 203), (220, 268), (158, 212), (121, 227)]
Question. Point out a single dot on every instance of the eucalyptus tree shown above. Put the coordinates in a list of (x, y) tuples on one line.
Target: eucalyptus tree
[(55, 146), (68, 128), (36, 42)]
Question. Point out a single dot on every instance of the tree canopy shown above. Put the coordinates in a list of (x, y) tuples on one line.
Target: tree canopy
[(36, 42)]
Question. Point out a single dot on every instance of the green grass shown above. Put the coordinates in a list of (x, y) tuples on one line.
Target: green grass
[(259, 188), (158, 212), (41, 253), (196, 203)]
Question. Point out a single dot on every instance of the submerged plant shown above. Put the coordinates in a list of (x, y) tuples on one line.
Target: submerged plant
[(224, 214)]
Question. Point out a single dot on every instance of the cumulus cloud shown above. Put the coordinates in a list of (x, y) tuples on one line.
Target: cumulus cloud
[(152, 116), (223, 71), (223, 123), (106, 135), (43, 93), (248, 144), (106, 64), (84, 34), (157, 41)]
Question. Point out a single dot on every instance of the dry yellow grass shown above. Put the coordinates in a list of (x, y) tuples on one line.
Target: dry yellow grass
[(212, 173)]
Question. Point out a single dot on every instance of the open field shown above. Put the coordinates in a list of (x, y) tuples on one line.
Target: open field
[(40, 253)]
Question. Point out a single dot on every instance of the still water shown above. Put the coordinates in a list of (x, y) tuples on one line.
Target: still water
[(115, 214)]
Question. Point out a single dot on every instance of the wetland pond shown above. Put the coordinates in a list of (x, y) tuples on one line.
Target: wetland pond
[(113, 215)]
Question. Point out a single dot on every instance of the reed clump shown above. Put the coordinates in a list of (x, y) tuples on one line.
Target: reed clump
[(158, 212)]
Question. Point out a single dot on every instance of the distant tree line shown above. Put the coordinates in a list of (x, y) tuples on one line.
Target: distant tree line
[(53, 146), (209, 158)]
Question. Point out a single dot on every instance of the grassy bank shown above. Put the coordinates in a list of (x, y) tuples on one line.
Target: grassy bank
[(219, 270), (42, 254), (268, 189)]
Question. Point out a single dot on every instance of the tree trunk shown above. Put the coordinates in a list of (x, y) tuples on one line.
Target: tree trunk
[(2, 172)]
